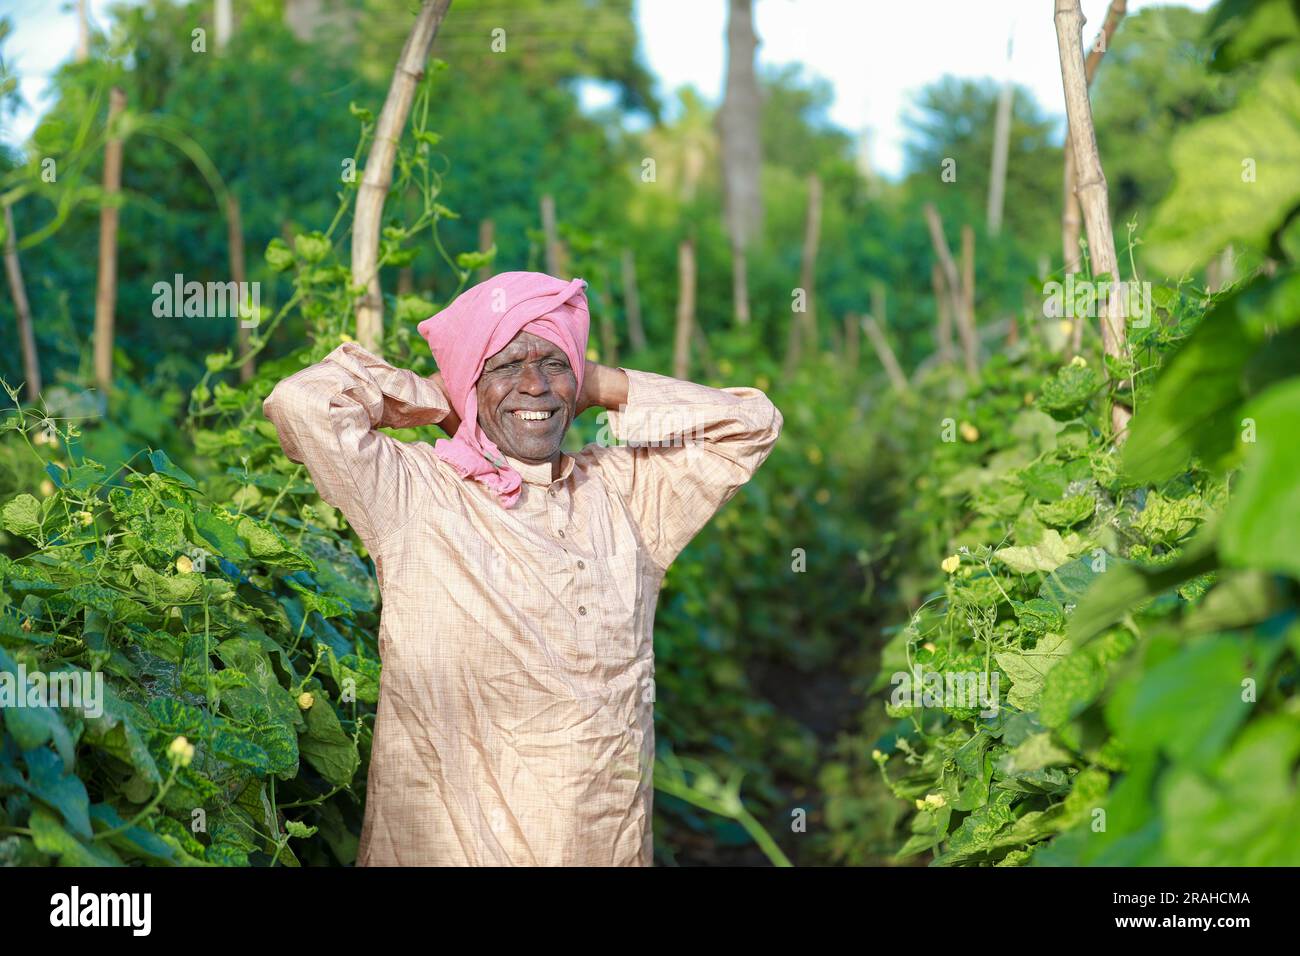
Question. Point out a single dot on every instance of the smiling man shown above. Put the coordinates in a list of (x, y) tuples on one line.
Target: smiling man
[(519, 582)]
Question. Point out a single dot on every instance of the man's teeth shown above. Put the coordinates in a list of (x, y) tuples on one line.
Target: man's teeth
[(533, 416)]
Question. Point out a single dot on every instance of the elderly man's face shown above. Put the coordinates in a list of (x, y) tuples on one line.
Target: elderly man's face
[(528, 377)]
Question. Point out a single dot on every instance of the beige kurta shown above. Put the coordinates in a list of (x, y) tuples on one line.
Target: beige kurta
[(516, 705)]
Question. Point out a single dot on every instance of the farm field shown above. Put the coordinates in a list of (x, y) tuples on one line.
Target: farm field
[(1017, 585)]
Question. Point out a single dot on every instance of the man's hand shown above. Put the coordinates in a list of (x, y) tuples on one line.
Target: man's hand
[(451, 421)]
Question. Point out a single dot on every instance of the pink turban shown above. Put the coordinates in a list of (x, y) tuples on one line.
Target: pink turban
[(480, 322)]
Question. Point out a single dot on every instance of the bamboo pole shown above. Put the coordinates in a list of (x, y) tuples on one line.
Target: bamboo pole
[(238, 272), (608, 331), (1071, 218), (885, 353), (486, 236), (632, 302), (970, 337), (550, 230), (83, 32), (957, 301), (740, 283), (378, 176), (943, 310), (106, 283), (808, 266), (1001, 144), (22, 309), (685, 308), (1091, 189)]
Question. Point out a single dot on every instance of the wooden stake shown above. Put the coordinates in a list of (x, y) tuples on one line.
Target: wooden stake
[(969, 338), (551, 234), (106, 284), (943, 309), (238, 272), (378, 175), (486, 236), (22, 309), (608, 331), (851, 340), (1071, 218), (808, 269), (886, 354), (1091, 190), (685, 308), (632, 302)]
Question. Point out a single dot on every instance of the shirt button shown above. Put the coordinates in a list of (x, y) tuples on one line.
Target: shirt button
[(581, 565), (552, 492), (561, 532), (582, 609)]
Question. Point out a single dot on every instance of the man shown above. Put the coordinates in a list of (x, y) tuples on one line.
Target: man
[(516, 708)]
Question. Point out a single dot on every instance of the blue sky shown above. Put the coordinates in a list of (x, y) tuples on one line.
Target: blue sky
[(875, 53)]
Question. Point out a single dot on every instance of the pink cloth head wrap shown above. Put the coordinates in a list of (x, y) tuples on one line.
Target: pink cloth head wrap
[(480, 322)]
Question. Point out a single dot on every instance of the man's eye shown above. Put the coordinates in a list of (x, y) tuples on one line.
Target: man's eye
[(557, 366)]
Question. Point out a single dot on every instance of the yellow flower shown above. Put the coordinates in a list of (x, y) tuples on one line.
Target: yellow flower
[(47, 487), (877, 756), (85, 517), (968, 432), (184, 565), (305, 700), (1079, 362), (920, 804), (929, 646), (593, 354), (951, 563), (823, 495), (181, 751), (935, 800)]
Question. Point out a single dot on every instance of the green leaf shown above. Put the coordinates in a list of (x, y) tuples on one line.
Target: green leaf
[(1189, 705), (1262, 520), (1237, 175), (1124, 588), (279, 256), (1066, 512), (1027, 669), (49, 782), (1246, 810), (22, 516), (1067, 393), (1194, 409), (325, 746), (220, 535), (1047, 555), (50, 837), (267, 545)]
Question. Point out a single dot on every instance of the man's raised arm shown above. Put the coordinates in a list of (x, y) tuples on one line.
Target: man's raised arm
[(327, 417), (681, 450)]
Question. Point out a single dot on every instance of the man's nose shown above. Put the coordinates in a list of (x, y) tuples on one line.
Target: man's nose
[(532, 381)]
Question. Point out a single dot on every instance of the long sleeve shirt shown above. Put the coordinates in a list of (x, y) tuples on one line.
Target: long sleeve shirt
[(515, 723)]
